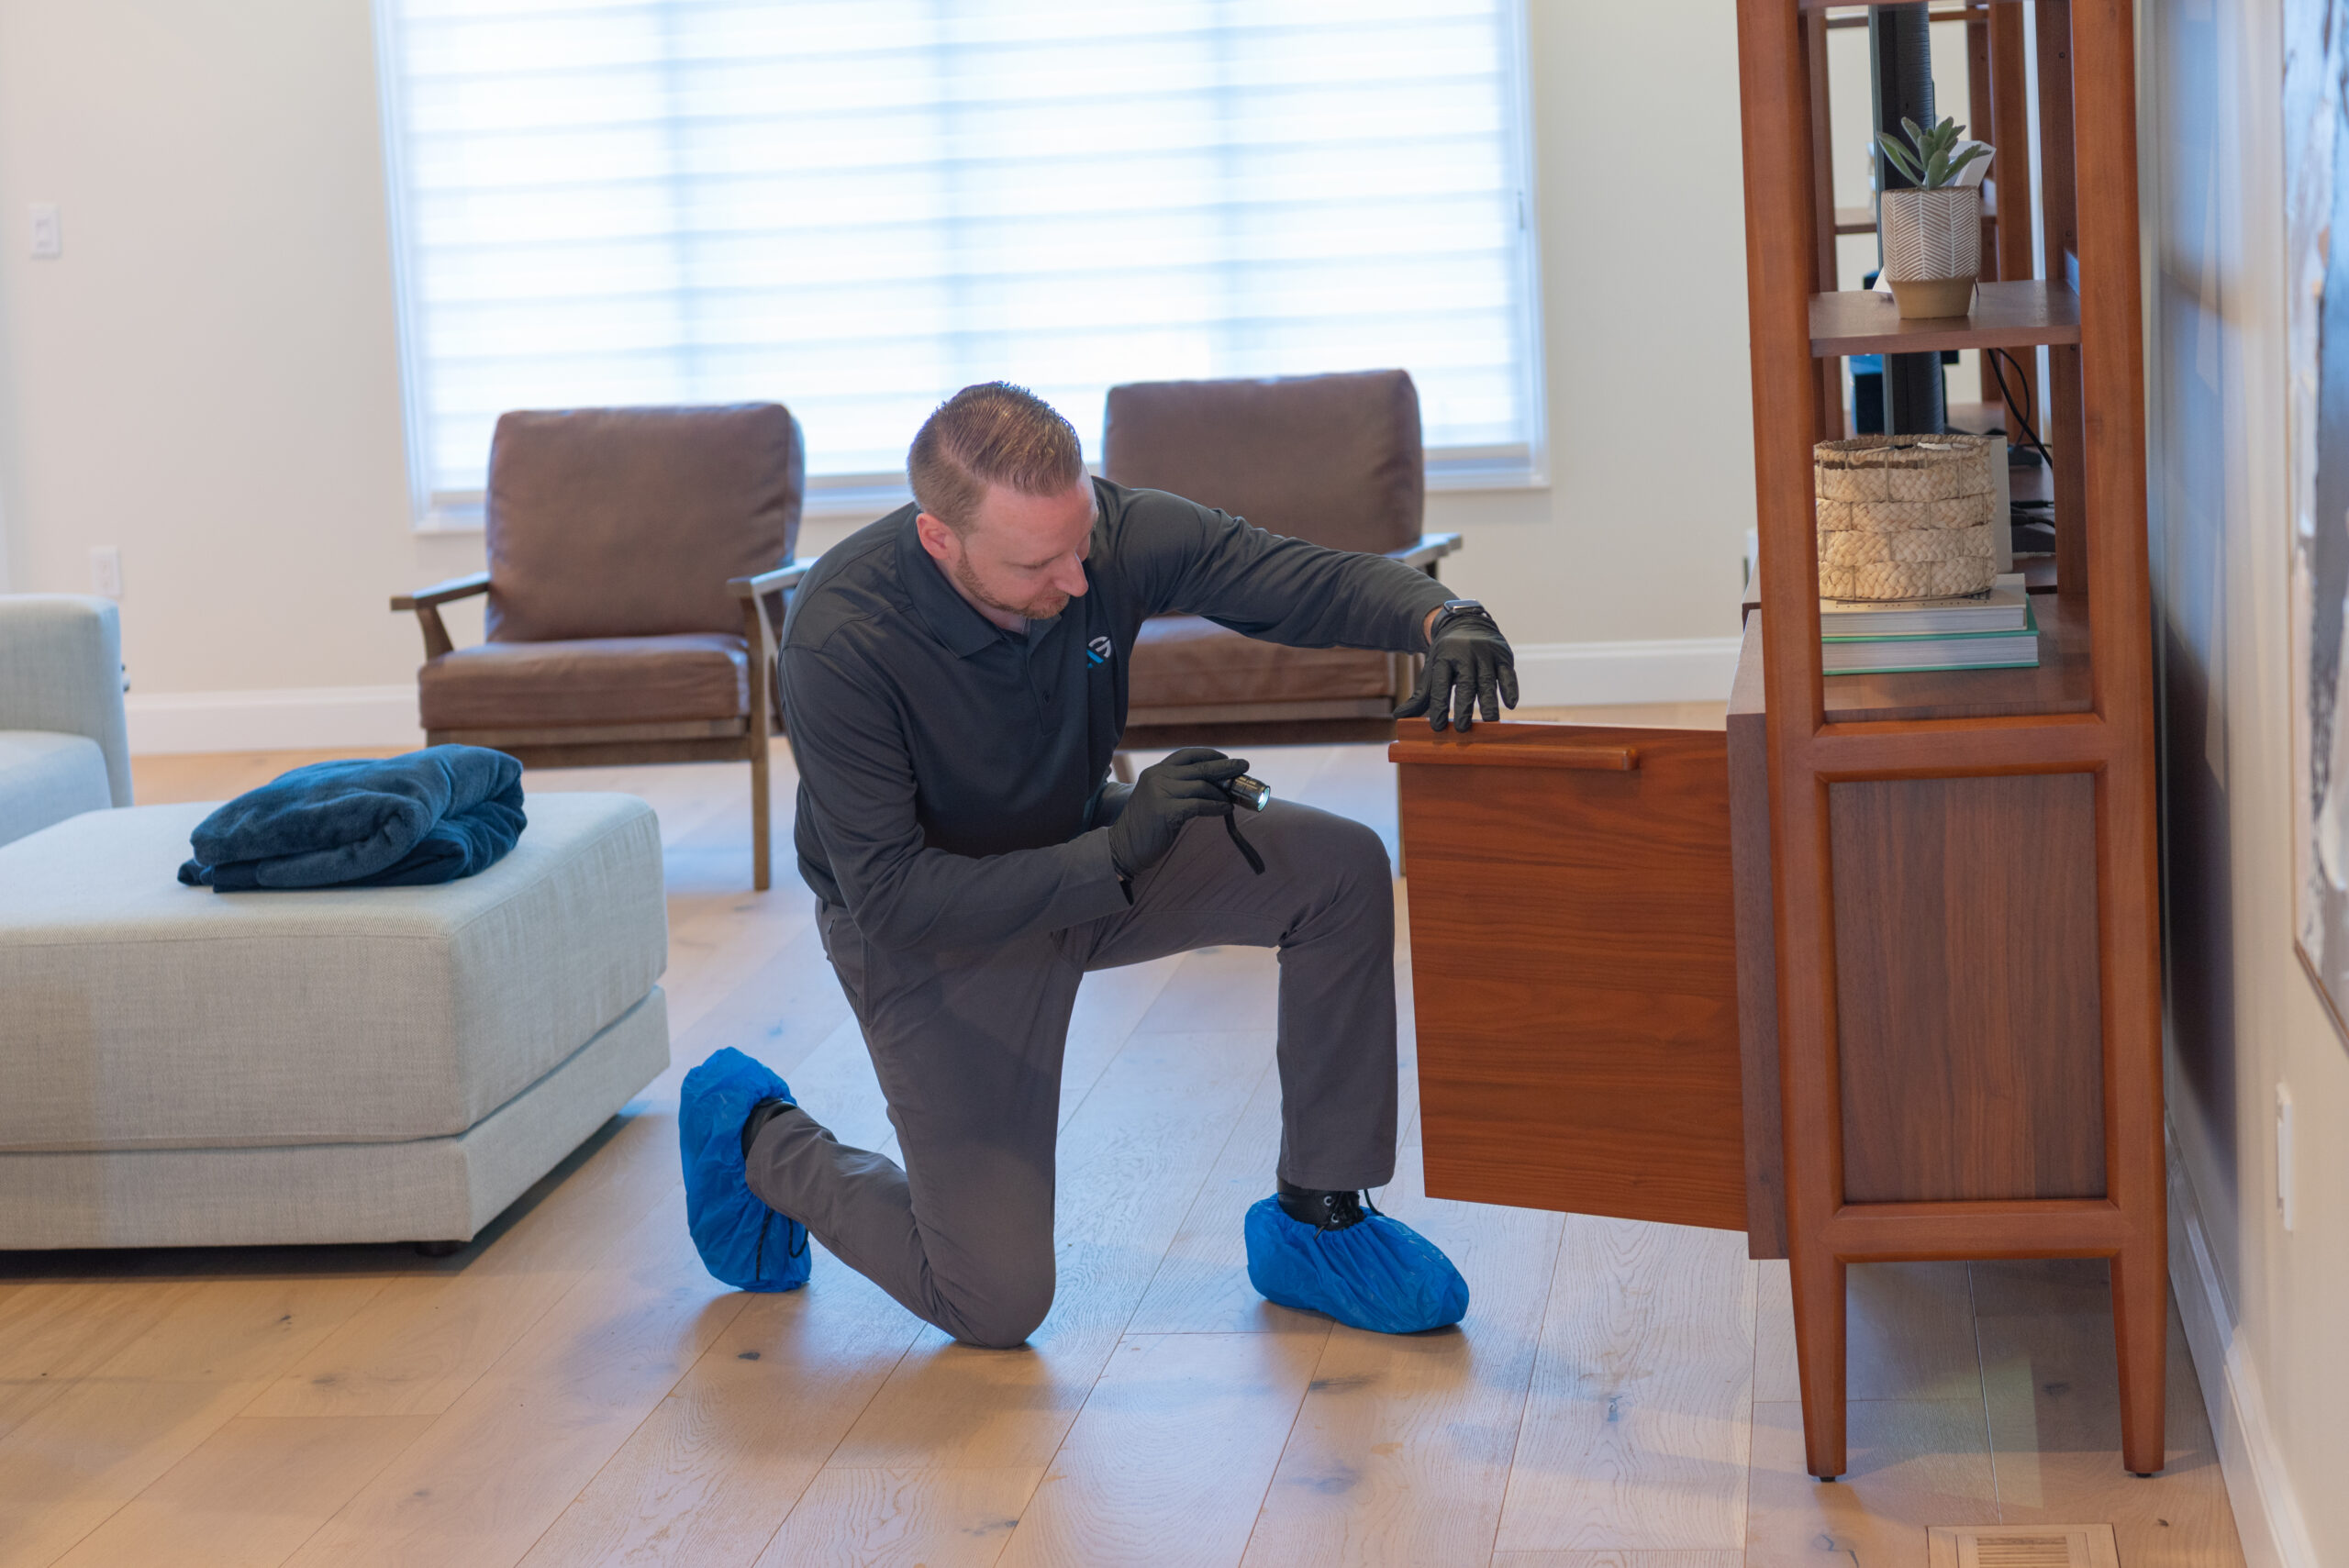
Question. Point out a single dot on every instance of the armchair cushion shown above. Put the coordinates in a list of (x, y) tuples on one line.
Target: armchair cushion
[(1332, 459), (605, 680), (628, 522), (47, 777), (1189, 662)]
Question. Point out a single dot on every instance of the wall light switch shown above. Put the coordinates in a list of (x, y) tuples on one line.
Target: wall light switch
[(49, 236), (106, 571), (2284, 1155)]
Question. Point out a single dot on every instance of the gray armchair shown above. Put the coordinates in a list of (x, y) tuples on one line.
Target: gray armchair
[(64, 749)]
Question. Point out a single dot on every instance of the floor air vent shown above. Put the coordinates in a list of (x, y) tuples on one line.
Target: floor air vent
[(2024, 1546)]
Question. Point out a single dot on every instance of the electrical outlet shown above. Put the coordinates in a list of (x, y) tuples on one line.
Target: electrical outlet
[(48, 237), (2284, 1155), (106, 571)]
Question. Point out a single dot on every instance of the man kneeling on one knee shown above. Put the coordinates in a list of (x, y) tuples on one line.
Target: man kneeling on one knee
[(954, 677)]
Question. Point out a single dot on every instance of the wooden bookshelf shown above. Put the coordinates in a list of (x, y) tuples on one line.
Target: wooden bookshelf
[(1948, 1092), (1878, 970)]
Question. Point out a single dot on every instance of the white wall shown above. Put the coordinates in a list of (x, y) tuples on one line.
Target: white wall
[(208, 378), (2268, 1316)]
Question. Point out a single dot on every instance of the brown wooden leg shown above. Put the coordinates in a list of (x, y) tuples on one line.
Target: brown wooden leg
[(2141, 1332), (1818, 1352), (761, 858), (1121, 767)]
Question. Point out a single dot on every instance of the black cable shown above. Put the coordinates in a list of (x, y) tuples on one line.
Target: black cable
[(2022, 415)]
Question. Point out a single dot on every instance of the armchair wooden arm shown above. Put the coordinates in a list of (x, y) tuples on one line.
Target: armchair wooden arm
[(773, 580), (464, 587), (1430, 548), (763, 631), (427, 603), (765, 635)]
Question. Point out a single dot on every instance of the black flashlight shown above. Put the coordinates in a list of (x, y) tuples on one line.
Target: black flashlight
[(1254, 794)]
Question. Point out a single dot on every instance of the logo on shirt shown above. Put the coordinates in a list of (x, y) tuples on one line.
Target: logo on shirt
[(1097, 652)]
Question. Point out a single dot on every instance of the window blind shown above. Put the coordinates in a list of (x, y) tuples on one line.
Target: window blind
[(856, 207)]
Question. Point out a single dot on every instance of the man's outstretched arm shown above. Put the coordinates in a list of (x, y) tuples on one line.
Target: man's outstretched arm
[(1202, 561)]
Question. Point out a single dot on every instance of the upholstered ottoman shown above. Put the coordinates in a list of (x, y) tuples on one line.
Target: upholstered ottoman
[(180, 1067)]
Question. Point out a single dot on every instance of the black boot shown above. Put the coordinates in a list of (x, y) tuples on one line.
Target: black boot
[(1322, 1211), (765, 1111)]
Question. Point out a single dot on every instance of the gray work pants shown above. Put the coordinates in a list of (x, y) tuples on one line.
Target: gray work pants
[(968, 1044)]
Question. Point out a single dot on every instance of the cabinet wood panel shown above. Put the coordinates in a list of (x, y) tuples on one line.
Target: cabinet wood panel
[(1574, 961), (1970, 1047)]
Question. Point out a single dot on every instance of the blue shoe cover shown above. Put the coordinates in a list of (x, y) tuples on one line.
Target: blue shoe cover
[(1376, 1273), (742, 1241)]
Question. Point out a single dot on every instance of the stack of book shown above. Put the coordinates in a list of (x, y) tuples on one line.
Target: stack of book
[(1991, 631)]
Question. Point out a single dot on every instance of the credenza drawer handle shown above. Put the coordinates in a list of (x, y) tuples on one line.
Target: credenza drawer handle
[(1468, 754)]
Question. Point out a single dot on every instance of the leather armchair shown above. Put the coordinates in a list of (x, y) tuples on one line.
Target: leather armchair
[(639, 559), (1332, 459)]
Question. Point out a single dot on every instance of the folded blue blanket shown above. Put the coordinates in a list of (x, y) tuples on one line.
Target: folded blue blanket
[(431, 815)]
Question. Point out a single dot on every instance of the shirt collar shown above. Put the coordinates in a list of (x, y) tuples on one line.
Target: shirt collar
[(948, 616)]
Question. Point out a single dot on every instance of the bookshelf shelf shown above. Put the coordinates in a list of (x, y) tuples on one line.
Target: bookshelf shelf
[(2005, 315), (1941, 13), (2061, 684)]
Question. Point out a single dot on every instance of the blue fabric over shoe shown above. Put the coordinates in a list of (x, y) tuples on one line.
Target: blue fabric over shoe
[(742, 1241), (1376, 1273)]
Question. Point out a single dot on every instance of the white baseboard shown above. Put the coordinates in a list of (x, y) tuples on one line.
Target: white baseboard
[(1686, 668), (300, 719), (2267, 1511)]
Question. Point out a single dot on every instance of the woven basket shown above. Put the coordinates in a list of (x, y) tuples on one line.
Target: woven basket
[(1906, 516)]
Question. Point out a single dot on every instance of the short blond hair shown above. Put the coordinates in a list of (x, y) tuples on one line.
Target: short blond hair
[(993, 433)]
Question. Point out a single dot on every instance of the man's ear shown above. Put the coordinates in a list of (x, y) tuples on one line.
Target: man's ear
[(938, 538)]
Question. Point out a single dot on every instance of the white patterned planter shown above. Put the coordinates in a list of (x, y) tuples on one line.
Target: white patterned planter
[(1932, 247)]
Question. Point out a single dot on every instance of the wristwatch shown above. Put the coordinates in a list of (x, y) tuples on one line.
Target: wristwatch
[(1452, 609)]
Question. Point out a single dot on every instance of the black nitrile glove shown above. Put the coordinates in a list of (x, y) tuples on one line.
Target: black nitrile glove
[(1470, 666), (1111, 804), (1188, 784)]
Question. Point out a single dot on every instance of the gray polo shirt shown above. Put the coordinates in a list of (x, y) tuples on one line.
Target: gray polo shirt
[(950, 771)]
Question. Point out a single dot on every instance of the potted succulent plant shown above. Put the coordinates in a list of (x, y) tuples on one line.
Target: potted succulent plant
[(1932, 232)]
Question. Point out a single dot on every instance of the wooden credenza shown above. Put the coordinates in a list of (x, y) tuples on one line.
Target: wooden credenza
[(1595, 968)]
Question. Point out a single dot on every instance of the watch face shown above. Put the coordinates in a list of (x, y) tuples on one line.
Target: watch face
[(1457, 604)]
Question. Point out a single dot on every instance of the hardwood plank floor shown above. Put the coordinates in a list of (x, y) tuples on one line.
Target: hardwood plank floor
[(573, 1389), (114, 1432), (1635, 1432), (432, 1333), (1201, 1285), (1131, 1160), (709, 1477), (250, 1494), (915, 1518), (2049, 1369), (1402, 1449), (1910, 1463), (502, 1462), (1167, 1465)]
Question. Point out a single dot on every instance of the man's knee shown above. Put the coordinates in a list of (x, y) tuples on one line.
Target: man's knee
[(1350, 852), (999, 1314)]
